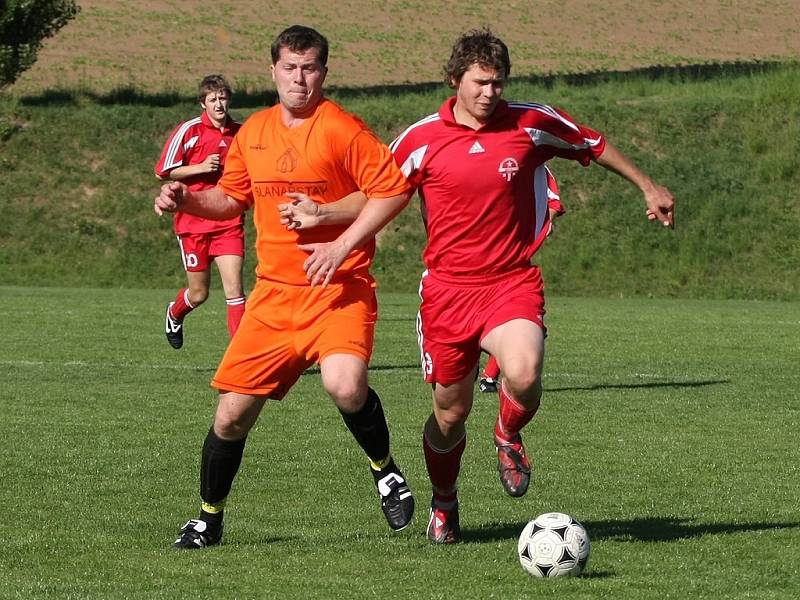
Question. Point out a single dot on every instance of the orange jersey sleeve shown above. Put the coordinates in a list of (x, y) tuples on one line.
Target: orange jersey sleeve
[(327, 157)]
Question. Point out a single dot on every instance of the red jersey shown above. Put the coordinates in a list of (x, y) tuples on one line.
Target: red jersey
[(190, 143), (488, 176)]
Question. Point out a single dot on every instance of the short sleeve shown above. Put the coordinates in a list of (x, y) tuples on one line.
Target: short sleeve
[(172, 154), (235, 180), (373, 168)]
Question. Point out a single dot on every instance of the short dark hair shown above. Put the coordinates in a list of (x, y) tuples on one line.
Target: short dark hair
[(479, 46), (299, 38), (213, 83)]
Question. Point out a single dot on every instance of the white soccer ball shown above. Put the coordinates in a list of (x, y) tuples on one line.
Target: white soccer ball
[(553, 545)]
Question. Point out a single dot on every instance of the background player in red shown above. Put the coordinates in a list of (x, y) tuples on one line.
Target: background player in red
[(475, 161), (195, 154), (491, 370)]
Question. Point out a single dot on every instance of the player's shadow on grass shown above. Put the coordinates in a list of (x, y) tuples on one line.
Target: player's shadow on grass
[(639, 529), (411, 367), (670, 529), (628, 386)]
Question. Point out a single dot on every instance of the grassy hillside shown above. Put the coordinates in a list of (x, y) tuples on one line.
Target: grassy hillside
[(78, 184)]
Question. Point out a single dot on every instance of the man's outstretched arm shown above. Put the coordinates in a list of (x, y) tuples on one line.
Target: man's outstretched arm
[(209, 204), (303, 213), (659, 200), (325, 258)]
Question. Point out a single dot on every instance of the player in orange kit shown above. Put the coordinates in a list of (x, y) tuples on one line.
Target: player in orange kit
[(305, 144)]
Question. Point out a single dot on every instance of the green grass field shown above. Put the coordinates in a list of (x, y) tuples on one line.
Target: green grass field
[(669, 427)]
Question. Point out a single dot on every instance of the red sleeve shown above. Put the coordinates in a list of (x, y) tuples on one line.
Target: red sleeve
[(554, 129), (172, 155), (408, 158)]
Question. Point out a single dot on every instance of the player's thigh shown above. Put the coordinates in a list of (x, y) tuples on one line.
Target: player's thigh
[(198, 283), (518, 345), (230, 272), (226, 247), (452, 402)]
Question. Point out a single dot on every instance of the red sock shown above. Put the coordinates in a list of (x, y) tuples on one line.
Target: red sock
[(492, 369), (182, 306), (512, 417), (443, 467), (235, 313)]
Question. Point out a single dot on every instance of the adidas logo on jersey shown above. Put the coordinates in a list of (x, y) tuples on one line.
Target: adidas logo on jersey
[(476, 148), (222, 144)]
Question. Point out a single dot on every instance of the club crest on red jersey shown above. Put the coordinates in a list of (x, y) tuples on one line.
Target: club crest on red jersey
[(508, 168)]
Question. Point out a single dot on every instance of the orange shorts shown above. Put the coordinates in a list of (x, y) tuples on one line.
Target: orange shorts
[(287, 328)]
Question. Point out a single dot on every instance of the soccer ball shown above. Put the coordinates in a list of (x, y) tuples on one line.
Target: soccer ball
[(553, 545)]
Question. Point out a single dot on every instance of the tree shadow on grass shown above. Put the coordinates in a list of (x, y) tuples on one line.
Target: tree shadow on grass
[(637, 529), (633, 386), (265, 97)]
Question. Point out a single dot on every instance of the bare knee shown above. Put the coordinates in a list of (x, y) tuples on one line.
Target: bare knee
[(523, 379), (236, 414), (348, 395), (451, 420), (451, 407), (198, 295), (344, 378)]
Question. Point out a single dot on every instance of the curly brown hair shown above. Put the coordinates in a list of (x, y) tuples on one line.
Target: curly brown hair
[(479, 46)]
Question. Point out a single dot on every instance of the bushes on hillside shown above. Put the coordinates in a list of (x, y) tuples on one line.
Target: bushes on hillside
[(24, 24)]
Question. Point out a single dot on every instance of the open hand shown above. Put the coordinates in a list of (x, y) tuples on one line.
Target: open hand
[(323, 261)]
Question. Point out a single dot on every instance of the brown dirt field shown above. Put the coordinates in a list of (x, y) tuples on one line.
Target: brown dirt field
[(169, 45)]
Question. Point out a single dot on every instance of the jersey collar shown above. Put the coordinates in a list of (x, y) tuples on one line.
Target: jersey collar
[(446, 112), (209, 123)]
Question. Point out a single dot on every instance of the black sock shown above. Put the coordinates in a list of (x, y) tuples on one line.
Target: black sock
[(368, 426), (218, 467)]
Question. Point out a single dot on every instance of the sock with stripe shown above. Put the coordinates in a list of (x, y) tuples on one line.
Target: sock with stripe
[(235, 313), (218, 467), (512, 416), (182, 306)]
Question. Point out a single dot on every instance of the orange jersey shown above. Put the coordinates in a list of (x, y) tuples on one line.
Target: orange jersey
[(330, 155)]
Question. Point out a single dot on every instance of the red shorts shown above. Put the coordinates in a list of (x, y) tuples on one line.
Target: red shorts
[(454, 318), (198, 249), (287, 328)]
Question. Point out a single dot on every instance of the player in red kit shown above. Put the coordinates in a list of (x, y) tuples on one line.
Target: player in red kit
[(491, 371), (476, 160), (195, 154)]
